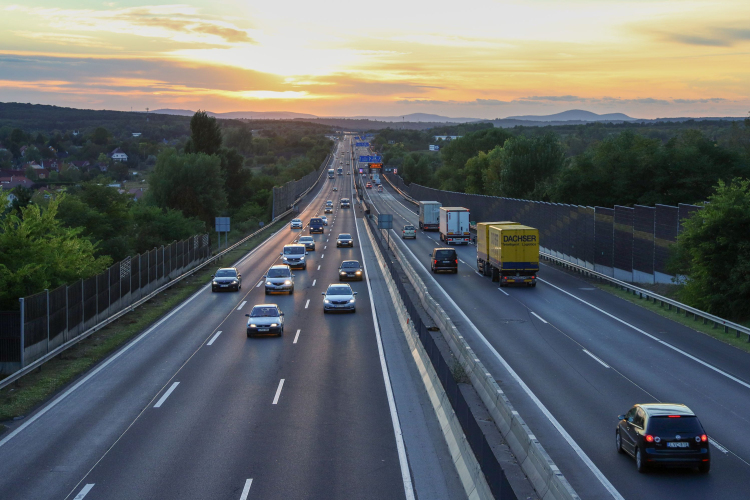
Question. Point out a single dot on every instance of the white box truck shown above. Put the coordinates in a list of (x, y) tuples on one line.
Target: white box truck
[(429, 215), (454, 225)]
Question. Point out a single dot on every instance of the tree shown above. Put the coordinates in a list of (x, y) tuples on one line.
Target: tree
[(240, 138), (237, 179), (526, 166), (192, 183), (100, 136), (37, 251), (205, 134), (458, 151), (155, 226), (713, 251)]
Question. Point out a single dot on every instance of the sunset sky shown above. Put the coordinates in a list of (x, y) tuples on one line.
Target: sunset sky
[(471, 58)]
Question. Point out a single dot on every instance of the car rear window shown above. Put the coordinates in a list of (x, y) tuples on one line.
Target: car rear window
[(445, 254), (225, 273), (264, 312), (339, 290), (278, 273), (685, 425), (350, 264), (409, 228)]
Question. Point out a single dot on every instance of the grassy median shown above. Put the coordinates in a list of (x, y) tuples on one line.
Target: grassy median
[(20, 398)]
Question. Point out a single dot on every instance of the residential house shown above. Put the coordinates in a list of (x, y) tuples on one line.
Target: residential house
[(136, 193), (11, 178), (80, 165), (447, 137), (52, 165), (118, 155)]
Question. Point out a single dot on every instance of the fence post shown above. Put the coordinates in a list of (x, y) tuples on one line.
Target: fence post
[(109, 290), (23, 324), (47, 346), (82, 324), (96, 283), (67, 316)]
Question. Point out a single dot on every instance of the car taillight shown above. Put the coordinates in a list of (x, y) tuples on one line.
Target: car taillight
[(649, 438), (674, 416), (456, 261), (704, 438), (435, 261)]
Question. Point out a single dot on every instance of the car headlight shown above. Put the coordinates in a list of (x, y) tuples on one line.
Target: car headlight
[(215, 283), (274, 324), (326, 301), (251, 326), (234, 282), (269, 283), (351, 301), (287, 282), (343, 272), (358, 272)]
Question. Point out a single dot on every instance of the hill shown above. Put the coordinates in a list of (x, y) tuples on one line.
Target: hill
[(574, 115)]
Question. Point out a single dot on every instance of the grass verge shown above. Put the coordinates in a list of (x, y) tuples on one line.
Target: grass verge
[(18, 399), (697, 325)]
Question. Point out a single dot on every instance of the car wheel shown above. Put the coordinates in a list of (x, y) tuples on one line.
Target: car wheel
[(618, 442), (304, 268), (455, 271), (640, 464), (249, 334), (704, 467)]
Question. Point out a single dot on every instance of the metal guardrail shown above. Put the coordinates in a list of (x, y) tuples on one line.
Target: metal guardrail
[(39, 362), (653, 297), (630, 288)]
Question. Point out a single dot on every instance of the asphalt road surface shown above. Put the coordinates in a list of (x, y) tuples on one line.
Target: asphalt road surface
[(585, 356)]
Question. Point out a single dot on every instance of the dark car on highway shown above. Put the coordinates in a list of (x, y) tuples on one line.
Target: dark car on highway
[(444, 259), (350, 270), (663, 434), (316, 225), (344, 240), (226, 278)]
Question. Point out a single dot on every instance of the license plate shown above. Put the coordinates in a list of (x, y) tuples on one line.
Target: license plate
[(678, 444), (262, 329), (223, 286)]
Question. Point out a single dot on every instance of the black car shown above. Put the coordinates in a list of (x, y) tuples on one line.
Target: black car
[(663, 434), (226, 278), (444, 259), (350, 270)]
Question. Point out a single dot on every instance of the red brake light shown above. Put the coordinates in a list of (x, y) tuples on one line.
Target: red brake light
[(674, 416), (649, 438), (704, 438), (435, 261), (456, 261)]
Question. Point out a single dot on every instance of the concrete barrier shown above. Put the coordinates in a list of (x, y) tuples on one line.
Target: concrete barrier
[(544, 475)]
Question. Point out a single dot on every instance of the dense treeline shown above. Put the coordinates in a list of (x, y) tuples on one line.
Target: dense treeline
[(588, 164), (76, 229)]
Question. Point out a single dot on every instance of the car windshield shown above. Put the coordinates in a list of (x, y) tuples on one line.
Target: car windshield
[(351, 263), (293, 250), (339, 290), (296, 220), (278, 273), (306, 239), (445, 254), (667, 425), (264, 312), (226, 273), (345, 236), (316, 221)]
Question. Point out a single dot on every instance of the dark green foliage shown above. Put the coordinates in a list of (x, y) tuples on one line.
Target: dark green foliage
[(192, 183), (457, 152), (713, 251), (154, 226), (205, 134), (100, 136)]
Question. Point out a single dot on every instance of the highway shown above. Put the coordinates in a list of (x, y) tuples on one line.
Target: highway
[(571, 358), (192, 408)]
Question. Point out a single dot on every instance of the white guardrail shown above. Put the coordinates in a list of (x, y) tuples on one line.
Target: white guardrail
[(39, 362), (640, 292)]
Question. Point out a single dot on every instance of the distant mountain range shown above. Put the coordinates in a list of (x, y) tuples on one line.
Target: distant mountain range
[(249, 115), (575, 115)]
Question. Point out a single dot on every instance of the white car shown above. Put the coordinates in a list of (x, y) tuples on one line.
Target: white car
[(265, 319), (325, 220), (339, 297), (296, 224), (335, 188)]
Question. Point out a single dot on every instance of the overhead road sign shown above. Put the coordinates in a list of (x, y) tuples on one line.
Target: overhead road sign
[(363, 144), (371, 159)]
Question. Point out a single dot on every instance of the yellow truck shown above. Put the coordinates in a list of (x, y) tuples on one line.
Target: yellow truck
[(508, 252)]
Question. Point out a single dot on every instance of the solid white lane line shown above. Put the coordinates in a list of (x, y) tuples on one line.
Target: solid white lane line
[(666, 344), (579, 451), (400, 447), (307, 303), (166, 395), (506, 293), (84, 492), (246, 489), (462, 262), (539, 317), (296, 337), (214, 337), (242, 305), (718, 446), (278, 391), (318, 267), (314, 282), (605, 365), (259, 283)]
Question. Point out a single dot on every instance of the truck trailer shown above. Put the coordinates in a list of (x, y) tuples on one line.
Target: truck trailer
[(454, 225), (429, 215), (508, 252), (330, 173)]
